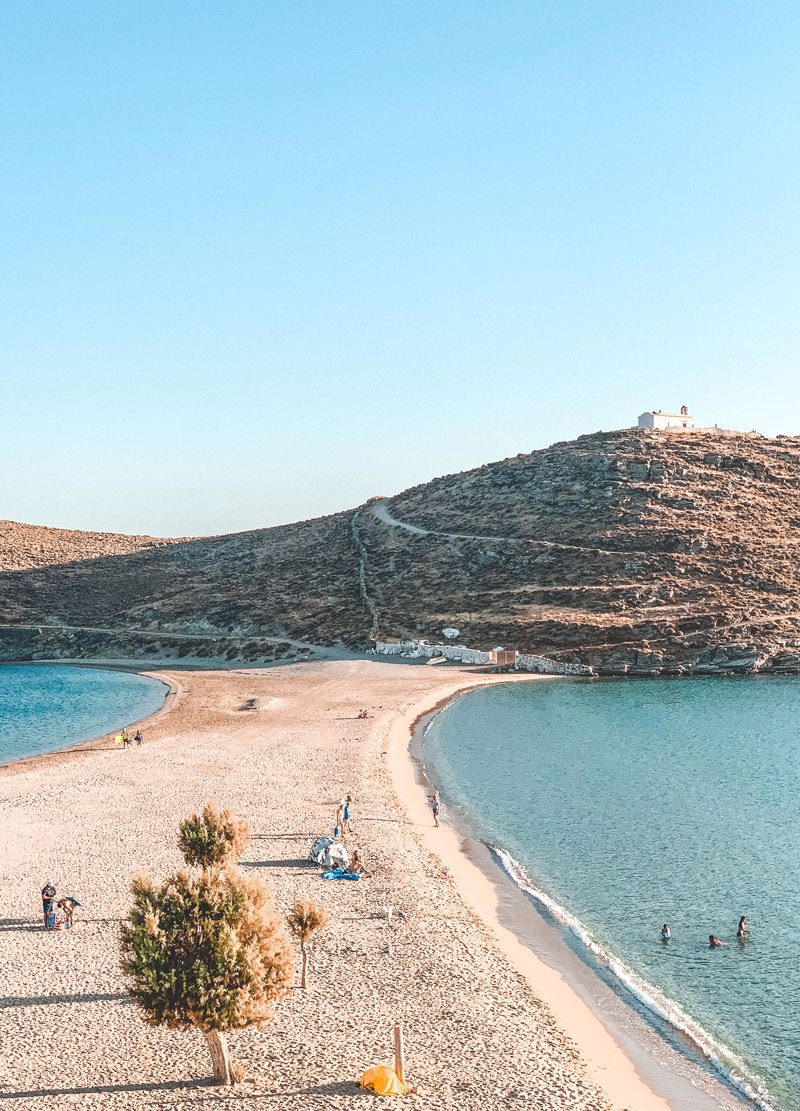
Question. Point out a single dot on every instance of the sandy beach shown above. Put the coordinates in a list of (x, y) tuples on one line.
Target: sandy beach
[(487, 1024)]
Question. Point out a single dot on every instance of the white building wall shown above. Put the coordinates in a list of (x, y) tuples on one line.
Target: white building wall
[(665, 420)]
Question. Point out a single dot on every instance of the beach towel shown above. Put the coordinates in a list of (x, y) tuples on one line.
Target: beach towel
[(340, 874), (383, 1081)]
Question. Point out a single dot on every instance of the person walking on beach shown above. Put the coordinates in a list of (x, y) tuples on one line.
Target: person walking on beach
[(126, 739), (48, 895), (435, 807), (346, 827), (138, 737)]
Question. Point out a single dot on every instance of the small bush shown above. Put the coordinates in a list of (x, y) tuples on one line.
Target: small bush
[(214, 838)]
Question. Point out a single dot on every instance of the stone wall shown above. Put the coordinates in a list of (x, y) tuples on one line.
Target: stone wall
[(542, 666), (414, 649)]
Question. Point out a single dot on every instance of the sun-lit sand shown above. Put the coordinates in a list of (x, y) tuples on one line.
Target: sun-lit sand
[(281, 746)]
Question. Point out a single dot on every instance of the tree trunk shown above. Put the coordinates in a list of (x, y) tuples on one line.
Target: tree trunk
[(305, 965), (220, 1056)]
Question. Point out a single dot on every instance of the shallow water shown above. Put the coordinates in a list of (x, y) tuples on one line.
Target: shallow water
[(684, 811), (44, 708)]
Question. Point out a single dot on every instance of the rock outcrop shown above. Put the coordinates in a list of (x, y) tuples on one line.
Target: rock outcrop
[(630, 552)]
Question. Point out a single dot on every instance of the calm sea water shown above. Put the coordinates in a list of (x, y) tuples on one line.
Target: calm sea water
[(685, 811), (45, 708)]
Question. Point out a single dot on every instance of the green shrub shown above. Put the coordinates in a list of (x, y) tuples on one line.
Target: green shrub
[(209, 951), (214, 838)]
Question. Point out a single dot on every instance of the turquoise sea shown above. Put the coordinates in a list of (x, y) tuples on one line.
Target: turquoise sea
[(44, 708), (621, 805)]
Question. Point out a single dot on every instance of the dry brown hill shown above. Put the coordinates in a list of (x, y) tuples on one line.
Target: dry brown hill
[(632, 551)]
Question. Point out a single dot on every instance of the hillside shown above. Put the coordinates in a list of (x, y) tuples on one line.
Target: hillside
[(632, 551)]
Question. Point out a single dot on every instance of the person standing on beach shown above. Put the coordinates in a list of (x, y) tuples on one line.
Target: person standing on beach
[(126, 739), (435, 807), (48, 895), (338, 827), (138, 737), (346, 827)]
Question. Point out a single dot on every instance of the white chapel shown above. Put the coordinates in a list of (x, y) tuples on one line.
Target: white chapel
[(657, 419)]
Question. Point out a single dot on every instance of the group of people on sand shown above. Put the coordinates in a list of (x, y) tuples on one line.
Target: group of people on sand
[(341, 826), (50, 908), (125, 739), (742, 934)]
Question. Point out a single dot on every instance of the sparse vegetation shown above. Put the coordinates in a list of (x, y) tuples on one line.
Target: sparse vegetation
[(306, 917), (214, 838)]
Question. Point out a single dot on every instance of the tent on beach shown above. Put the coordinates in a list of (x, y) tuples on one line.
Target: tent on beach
[(328, 853)]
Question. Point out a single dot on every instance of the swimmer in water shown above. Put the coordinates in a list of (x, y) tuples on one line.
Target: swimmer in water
[(742, 930), (715, 943), (665, 934)]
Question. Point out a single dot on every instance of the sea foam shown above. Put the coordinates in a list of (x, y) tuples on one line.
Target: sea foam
[(722, 1059)]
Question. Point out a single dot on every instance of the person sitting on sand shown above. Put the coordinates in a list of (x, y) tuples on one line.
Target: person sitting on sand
[(435, 807), (742, 930), (665, 934), (357, 864), (48, 895), (138, 737), (715, 943)]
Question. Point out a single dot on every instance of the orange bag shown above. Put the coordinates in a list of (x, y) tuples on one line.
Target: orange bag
[(383, 1081)]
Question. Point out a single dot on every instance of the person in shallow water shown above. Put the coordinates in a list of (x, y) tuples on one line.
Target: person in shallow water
[(665, 934), (715, 943), (742, 930)]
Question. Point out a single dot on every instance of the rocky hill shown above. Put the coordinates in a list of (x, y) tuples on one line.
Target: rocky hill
[(634, 552)]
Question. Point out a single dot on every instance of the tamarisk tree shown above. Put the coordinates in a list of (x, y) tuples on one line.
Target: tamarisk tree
[(207, 950), (213, 838), (305, 918)]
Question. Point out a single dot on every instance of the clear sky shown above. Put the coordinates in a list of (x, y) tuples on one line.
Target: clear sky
[(261, 260)]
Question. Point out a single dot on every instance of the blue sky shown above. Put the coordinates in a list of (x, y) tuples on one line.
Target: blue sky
[(261, 260)]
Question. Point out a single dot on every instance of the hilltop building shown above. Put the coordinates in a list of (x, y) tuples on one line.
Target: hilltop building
[(657, 419)]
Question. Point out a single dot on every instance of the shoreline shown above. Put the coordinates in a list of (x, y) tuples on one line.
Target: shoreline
[(639, 1069), (280, 746), (171, 698)]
